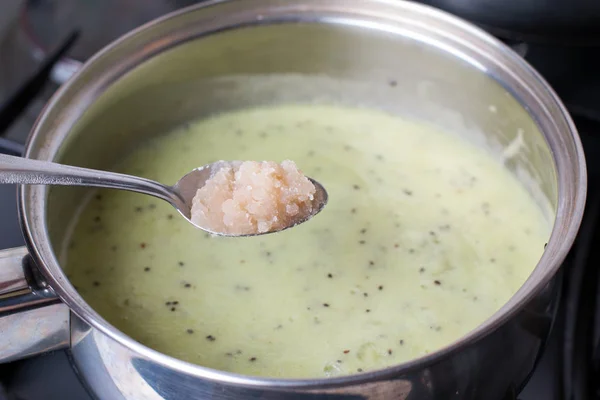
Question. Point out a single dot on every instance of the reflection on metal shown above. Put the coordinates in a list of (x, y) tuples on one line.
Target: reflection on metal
[(32, 320), (12, 277), (400, 388), (521, 49), (34, 332)]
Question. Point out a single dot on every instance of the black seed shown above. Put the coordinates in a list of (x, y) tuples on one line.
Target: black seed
[(138, 209), (173, 309), (252, 359), (152, 206), (401, 342), (363, 230), (367, 310), (211, 338), (437, 282), (390, 352), (422, 269), (361, 242), (190, 331), (181, 263), (360, 370), (96, 283), (175, 302), (380, 287), (356, 187), (170, 216), (411, 251), (187, 285), (126, 302), (371, 263), (492, 260), (407, 192), (98, 197), (545, 244), (393, 83), (330, 275), (147, 269), (97, 219), (114, 248), (353, 211), (325, 305), (366, 294)]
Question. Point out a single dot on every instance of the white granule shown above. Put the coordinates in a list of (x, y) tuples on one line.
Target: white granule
[(253, 197)]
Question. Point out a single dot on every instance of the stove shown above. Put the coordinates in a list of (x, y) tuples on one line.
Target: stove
[(571, 359)]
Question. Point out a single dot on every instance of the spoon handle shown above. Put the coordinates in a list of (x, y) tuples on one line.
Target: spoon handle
[(35, 172)]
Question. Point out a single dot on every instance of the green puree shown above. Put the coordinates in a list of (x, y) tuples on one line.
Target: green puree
[(424, 238)]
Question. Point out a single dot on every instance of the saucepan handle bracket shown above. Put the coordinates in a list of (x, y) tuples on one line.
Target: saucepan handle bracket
[(33, 320)]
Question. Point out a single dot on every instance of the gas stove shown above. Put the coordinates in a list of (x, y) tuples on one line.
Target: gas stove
[(572, 355)]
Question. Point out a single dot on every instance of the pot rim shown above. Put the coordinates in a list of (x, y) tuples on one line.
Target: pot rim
[(554, 121)]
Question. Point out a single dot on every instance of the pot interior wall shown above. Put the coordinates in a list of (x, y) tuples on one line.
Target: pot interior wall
[(301, 62)]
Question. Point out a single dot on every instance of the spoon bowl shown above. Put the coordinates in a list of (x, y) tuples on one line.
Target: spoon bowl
[(18, 170), (189, 184)]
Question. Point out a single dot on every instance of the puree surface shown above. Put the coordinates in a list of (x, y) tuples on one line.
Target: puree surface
[(424, 237)]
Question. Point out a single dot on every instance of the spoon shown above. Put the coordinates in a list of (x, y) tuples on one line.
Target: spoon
[(35, 172)]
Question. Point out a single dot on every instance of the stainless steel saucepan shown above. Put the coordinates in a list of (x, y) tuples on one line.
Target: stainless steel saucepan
[(398, 56)]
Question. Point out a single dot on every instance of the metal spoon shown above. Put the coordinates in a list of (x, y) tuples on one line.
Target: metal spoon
[(34, 172)]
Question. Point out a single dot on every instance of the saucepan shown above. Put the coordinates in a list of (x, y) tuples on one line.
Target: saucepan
[(397, 56)]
